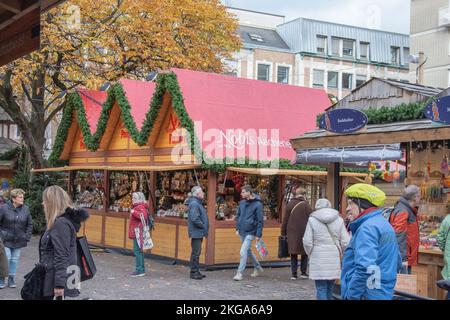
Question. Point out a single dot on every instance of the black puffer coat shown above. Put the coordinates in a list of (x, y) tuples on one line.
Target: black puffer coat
[(58, 251), (16, 225)]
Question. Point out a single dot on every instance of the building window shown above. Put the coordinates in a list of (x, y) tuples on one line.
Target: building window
[(365, 51), (405, 56), (347, 81), (336, 46), (263, 72), (395, 55), (360, 80), (348, 48), (333, 79), (283, 74), (322, 44), (1, 130), (318, 78)]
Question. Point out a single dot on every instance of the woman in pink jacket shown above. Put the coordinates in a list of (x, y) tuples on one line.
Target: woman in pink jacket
[(140, 207)]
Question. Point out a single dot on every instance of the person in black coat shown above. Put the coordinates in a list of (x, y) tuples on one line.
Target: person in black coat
[(16, 227), (58, 245), (198, 226)]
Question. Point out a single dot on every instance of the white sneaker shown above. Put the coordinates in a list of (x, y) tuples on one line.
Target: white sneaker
[(238, 277), (257, 272)]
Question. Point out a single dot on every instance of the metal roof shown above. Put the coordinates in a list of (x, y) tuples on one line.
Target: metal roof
[(301, 36), (271, 39), (380, 128), (415, 88)]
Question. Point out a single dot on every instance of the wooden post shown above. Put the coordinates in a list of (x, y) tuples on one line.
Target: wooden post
[(211, 201), (333, 192), (152, 204), (281, 203), (105, 203)]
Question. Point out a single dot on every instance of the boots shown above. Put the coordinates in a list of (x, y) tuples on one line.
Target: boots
[(11, 282)]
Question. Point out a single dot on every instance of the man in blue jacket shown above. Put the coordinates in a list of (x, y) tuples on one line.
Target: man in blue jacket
[(197, 228), (372, 259), (249, 226)]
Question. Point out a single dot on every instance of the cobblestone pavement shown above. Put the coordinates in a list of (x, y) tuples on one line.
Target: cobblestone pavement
[(170, 282)]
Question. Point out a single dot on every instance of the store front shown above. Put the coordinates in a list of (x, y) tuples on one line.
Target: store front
[(136, 137), (426, 147)]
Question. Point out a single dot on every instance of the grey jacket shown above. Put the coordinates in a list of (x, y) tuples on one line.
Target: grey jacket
[(198, 223), (16, 225)]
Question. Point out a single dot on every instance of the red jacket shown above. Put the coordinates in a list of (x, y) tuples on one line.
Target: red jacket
[(404, 221), (135, 218)]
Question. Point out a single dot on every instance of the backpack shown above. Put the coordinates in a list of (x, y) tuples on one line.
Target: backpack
[(33, 287), (387, 213)]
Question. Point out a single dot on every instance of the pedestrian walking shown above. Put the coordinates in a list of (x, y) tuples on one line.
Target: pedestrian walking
[(325, 240), (249, 226), (198, 226), (404, 221), (293, 228), (444, 244), (58, 244), (140, 208), (372, 258), (3, 265), (16, 227)]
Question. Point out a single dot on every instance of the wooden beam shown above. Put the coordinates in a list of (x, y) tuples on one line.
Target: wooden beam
[(211, 209), (14, 6), (361, 139)]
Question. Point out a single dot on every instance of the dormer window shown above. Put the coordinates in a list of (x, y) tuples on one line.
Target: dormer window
[(256, 37)]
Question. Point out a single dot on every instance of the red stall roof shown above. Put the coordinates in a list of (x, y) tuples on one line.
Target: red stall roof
[(242, 112)]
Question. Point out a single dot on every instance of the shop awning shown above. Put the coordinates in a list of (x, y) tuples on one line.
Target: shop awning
[(110, 168), (350, 154), (290, 172)]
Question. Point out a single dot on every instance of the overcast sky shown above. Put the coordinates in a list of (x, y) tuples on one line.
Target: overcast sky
[(388, 15)]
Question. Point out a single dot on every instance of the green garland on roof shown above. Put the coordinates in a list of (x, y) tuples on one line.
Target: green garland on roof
[(247, 163), (384, 115)]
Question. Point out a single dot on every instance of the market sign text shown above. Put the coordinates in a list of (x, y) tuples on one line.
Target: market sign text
[(343, 121)]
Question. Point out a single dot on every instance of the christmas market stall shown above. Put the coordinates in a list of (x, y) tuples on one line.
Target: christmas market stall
[(425, 148), (187, 128)]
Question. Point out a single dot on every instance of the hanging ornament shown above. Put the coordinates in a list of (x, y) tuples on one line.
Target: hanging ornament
[(444, 165)]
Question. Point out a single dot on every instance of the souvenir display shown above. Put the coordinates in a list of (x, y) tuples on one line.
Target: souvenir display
[(173, 189), (88, 189), (122, 185), (429, 229)]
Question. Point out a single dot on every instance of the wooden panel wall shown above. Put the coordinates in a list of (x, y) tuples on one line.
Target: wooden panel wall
[(164, 238), (184, 246), (93, 230), (115, 232)]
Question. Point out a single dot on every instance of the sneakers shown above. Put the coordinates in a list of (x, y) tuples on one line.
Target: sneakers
[(304, 276), (11, 283), (294, 278), (2, 283), (238, 277), (257, 272), (137, 274)]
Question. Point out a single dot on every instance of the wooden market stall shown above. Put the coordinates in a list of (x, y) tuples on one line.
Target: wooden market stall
[(163, 138), (426, 146)]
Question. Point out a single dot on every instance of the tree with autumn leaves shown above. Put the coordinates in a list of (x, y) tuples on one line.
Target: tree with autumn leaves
[(87, 43)]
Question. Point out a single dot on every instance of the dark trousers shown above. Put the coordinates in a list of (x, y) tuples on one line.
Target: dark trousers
[(4, 266), (294, 264), (196, 245)]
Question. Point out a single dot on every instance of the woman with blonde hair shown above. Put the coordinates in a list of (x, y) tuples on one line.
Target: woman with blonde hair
[(16, 227), (58, 245)]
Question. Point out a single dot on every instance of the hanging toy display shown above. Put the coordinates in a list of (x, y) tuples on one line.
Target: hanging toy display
[(387, 176), (444, 165), (396, 174)]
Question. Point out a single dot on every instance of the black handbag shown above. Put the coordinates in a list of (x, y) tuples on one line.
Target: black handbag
[(33, 287), (283, 251), (85, 260)]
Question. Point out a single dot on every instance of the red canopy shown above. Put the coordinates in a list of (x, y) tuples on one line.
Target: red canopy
[(236, 115)]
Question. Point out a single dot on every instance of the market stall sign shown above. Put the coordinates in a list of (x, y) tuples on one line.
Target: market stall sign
[(439, 110), (343, 121)]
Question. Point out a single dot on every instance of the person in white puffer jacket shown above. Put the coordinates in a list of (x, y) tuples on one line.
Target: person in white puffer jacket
[(324, 241)]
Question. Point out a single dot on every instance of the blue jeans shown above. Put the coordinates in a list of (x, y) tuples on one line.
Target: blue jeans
[(140, 264), (246, 251), (324, 289), (13, 256)]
